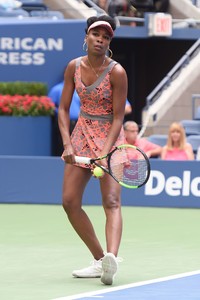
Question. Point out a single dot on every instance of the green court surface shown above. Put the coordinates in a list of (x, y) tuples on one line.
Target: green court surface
[(39, 249)]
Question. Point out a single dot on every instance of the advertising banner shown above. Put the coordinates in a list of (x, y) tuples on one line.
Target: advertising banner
[(39, 180), (39, 50)]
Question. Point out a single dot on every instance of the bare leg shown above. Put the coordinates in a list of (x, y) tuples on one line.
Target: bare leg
[(112, 205), (75, 180)]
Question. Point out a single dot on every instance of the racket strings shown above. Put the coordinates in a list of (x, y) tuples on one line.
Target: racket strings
[(129, 167)]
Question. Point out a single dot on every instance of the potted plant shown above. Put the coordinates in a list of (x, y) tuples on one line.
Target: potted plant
[(25, 123)]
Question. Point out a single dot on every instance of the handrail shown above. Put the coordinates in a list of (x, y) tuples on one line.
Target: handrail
[(90, 3), (156, 93)]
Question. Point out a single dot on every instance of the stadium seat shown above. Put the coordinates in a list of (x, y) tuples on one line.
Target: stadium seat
[(30, 5), (159, 139), (194, 140), (50, 14), (191, 126), (28, 2), (197, 114), (14, 13)]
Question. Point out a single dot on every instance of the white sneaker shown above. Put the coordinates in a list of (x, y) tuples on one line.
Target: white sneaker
[(109, 268), (93, 271)]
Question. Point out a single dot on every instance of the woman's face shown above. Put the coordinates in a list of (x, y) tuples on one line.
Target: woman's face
[(98, 40), (175, 135)]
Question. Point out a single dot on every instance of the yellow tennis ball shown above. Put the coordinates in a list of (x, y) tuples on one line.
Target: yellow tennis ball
[(98, 172)]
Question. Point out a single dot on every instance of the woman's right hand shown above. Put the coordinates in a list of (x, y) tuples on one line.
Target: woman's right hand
[(68, 155)]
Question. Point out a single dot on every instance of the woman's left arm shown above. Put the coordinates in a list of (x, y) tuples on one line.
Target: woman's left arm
[(189, 151), (119, 85)]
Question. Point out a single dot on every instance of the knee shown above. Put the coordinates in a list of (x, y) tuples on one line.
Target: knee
[(111, 202), (68, 203)]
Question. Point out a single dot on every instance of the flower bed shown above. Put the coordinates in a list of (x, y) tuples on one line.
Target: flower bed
[(19, 105)]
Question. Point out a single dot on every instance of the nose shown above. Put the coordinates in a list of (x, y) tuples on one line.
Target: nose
[(100, 39)]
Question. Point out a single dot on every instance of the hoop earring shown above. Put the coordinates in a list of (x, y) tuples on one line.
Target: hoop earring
[(85, 48), (111, 53)]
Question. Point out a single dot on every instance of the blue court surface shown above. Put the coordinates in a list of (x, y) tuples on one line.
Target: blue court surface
[(184, 286)]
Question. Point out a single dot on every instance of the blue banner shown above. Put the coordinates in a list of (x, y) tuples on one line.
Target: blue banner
[(39, 180), (39, 50)]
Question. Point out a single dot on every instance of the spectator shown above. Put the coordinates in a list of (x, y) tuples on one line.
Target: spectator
[(177, 148), (55, 94), (131, 133), (118, 8), (128, 108), (142, 7), (161, 5)]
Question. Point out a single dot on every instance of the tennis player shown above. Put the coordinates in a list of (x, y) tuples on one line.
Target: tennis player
[(101, 84)]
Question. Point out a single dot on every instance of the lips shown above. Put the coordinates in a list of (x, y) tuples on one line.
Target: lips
[(98, 47)]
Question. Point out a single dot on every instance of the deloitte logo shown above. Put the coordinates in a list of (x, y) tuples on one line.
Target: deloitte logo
[(173, 185)]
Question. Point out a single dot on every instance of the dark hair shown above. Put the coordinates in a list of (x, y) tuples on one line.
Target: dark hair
[(106, 18)]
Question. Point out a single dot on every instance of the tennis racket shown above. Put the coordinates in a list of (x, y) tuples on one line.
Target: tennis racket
[(127, 164)]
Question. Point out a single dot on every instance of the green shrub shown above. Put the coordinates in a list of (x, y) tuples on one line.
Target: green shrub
[(23, 88)]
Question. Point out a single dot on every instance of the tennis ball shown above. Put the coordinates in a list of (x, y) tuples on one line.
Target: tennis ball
[(98, 172)]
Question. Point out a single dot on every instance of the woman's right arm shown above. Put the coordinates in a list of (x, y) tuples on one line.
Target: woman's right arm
[(163, 152), (63, 110)]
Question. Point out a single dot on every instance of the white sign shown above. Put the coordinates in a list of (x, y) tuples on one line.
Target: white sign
[(160, 24), (173, 185)]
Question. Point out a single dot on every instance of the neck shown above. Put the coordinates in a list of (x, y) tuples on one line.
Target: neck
[(96, 67), (96, 61)]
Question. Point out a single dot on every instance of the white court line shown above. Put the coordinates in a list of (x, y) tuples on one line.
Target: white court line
[(131, 285)]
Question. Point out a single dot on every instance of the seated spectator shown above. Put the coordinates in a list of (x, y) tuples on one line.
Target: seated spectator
[(131, 130), (177, 147)]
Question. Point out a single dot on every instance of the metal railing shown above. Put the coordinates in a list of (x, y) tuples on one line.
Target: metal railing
[(173, 74), (90, 3)]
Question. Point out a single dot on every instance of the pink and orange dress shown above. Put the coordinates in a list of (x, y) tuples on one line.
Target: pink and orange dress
[(96, 114)]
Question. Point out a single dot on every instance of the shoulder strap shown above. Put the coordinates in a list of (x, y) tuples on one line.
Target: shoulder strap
[(78, 62), (112, 63)]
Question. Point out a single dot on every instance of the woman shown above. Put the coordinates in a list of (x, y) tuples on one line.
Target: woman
[(102, 87), (177, 148)]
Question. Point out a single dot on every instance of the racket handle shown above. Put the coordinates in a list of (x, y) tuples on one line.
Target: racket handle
[(82, 160)]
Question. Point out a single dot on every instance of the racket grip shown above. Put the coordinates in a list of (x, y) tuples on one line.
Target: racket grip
[(82, 160)]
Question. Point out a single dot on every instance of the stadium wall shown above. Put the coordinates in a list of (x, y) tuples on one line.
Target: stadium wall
[(38, 180), (39, 49)]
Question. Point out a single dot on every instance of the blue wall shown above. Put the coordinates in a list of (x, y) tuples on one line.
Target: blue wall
[(35, 50), (39, 180), (38, 51)]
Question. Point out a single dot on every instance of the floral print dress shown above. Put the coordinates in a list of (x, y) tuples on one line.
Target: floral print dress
[(95, 119)]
